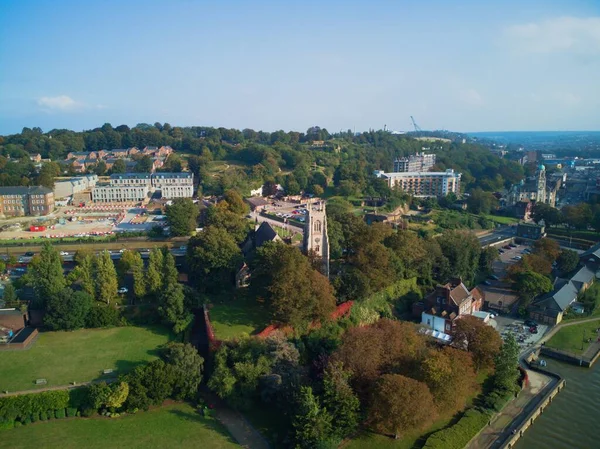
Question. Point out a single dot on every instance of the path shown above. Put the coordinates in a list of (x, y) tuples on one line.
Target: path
[(501, 422), (58, 387), (241, 430)]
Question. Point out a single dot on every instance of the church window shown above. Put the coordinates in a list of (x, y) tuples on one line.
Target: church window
[(317, 227)]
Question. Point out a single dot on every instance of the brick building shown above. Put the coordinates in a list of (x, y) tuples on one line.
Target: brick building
[(21, 201)]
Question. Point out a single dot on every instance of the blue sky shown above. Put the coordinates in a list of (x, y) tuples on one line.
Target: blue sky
[(458, 65)]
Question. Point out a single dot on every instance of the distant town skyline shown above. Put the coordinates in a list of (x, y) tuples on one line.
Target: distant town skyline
[(463, 66)]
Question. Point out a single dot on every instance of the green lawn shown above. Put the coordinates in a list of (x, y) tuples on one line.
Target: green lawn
[(501, 219), (79, 356), (173, 426), (570, 338), (234, 318)]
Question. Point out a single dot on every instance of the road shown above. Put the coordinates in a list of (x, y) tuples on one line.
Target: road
[(497, 235), (115, 254)]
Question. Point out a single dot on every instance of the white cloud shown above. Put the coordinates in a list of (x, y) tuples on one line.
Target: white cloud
[(560, 34), (58, 103), (472, 97)]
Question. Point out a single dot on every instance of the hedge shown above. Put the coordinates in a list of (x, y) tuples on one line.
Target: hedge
[(41, 406), (382, 301), (457, 436)]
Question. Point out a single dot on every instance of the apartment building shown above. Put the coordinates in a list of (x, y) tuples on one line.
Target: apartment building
[(22, 201), (64, 188), (174, 185), (418, 162), (423, 184), (138, 186)]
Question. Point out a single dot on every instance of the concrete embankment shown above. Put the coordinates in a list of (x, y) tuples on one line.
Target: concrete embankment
[(534, 408)]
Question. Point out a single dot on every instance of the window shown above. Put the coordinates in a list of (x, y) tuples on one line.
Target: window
[(317, 226)]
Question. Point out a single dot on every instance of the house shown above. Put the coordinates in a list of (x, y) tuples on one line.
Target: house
[(550, 308), (262, 234), (530, 231), (256, 203), (446, 303)]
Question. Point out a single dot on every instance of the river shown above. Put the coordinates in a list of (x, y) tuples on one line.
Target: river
[(572, 420)]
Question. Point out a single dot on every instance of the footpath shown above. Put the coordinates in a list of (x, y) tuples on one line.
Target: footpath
[(501, 422)]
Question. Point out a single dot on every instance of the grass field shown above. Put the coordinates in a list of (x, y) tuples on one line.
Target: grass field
[(79, 356), (173, 426), (501, 219), (571, 338), (237, 317)]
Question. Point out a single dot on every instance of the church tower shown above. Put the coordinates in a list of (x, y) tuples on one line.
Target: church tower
[(315, 234), (541, 184)]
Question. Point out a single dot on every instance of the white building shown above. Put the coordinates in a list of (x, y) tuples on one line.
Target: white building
[(68, 187), (174, 185), (139, 186), (415, 163), (423, 184)]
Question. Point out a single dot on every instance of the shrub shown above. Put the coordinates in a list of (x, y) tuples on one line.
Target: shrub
[(87, 412), (22, 406), (5, 425), (27, 421), (35, 417), (50, 414), (71, 412), (17, 424), (103, 316), (43, 416), (458, 435), (79, 398), (59, 413)]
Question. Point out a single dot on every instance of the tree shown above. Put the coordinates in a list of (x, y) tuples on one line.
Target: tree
[(144, 164), (126, 263), (531, 284), (400, 404), (47, 273), (507, 364), (187, 365), (106, 278), (295, 293), (173, 163), (550, 215), (119, 166), (2, 266), (480, 202), (547, 248), (449, 374), (170, 274), (154, 279), (340, 400), (84, 272), (221, 217), (67, 310), (487, 258), (235, 203), (568, 260), (139, 281), (462, 250), (312, 423), (476, 337), (10, 294), (578, 216), (213, 257), (182, 216), (172, 308), (100, 168)]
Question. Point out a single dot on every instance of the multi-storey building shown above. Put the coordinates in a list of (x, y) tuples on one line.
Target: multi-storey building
[(138, 186), (64, 188), (21, 201), (415, 163), (423, 184), (174, 185)]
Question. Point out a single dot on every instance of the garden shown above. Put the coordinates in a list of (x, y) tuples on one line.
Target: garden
[(175, 425), (80, 356)]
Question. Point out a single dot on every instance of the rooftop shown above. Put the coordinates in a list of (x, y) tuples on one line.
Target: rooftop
[(19, 190)]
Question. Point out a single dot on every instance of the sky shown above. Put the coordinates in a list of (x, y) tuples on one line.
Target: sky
[(457, 65)]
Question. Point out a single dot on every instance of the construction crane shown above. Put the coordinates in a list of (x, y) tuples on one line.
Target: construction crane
[(417, 127)]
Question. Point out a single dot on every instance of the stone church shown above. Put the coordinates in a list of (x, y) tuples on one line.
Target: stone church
[(315, 234)]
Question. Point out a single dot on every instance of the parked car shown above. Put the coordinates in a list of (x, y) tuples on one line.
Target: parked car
[(64, 253), (494, 277), (506, 247), (517, 258), (531, 323), (501, 251), (487, 282), (122, 250), (183, 248), (533, 330), (123, 290), (29, 254)]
